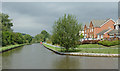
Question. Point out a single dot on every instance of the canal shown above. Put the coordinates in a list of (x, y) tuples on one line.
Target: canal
[(35, 56)]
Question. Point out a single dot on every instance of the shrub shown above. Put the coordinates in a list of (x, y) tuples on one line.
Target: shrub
[(109, 43), (99, 42), (48, 41)]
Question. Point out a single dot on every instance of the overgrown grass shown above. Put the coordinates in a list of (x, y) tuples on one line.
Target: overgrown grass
[(85, 50), (10, 46)]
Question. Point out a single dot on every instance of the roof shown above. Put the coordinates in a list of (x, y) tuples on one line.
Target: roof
[(102, 32), (98, 23), (114, 31), (87, 24)]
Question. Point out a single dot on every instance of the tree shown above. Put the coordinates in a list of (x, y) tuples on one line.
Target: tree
[(39, 38), (28, 38), (19, 38), (6, 22), (0, 30), (5, 29), (66, 31), (8, 36), (45, 34)]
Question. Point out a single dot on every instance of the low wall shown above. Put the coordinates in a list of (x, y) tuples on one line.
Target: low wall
[(85, 54)]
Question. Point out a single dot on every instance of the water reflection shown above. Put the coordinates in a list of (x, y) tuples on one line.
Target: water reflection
[(67, 62), (35, 56), (7, 56), (0, 61), (13, 51)]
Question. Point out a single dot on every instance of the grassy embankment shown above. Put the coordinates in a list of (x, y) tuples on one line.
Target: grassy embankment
[(10, 46), (102, 49)]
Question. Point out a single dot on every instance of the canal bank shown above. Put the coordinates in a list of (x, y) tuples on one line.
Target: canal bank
[(83, 54), (7, 48)]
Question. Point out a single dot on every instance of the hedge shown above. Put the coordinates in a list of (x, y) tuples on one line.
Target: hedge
[(109, 43)]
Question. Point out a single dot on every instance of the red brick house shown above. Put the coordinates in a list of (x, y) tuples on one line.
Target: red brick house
[(100, 29)]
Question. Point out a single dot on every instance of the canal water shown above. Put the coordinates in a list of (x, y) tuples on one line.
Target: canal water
[(35, 56)]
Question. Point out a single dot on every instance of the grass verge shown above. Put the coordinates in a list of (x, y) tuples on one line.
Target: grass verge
[(9, 47), (85, 50), (95, 46)]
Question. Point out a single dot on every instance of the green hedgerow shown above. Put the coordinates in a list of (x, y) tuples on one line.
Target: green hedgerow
[(109, 43)]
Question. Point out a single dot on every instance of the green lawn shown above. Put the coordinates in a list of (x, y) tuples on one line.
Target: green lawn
[(110, 50), (10, 46), (54, 48), (95, 46)]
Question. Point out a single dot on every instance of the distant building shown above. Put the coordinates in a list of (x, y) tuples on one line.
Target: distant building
[(101, 29)]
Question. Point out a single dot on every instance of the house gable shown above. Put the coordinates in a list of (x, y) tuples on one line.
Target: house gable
[(97, 26), (109, 24), (91, 25), (108, 21)]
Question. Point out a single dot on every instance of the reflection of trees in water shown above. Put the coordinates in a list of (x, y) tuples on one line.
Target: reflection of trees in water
[(67, 63), (6, 61), (0, 61), (10, 52)]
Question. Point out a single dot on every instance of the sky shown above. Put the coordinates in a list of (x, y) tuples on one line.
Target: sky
[(33, 17), (60, 0)]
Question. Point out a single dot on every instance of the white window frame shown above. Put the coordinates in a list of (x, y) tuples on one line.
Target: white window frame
[(101, 36), (92, 29), (85, 35), (98, 36), (85, 31)]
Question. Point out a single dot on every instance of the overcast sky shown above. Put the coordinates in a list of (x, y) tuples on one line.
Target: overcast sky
[(33, 17)]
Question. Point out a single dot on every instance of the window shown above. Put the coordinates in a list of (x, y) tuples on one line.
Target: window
[(85, 36), (101, 36), (98, 36), (85, 31), (92, 29), (115, 27)]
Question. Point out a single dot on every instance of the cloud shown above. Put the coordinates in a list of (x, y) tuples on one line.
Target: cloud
[(33, 17), (60, 0)]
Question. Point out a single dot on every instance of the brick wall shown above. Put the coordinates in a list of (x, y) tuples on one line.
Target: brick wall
[(110, 24), (107, 25)]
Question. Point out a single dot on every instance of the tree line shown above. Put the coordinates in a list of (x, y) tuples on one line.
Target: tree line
[(8, 37), (42, 37), (65, 33)]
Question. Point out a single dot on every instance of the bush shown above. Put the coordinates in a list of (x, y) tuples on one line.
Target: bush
[(109, 43), (48, 41), (78, 43)]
